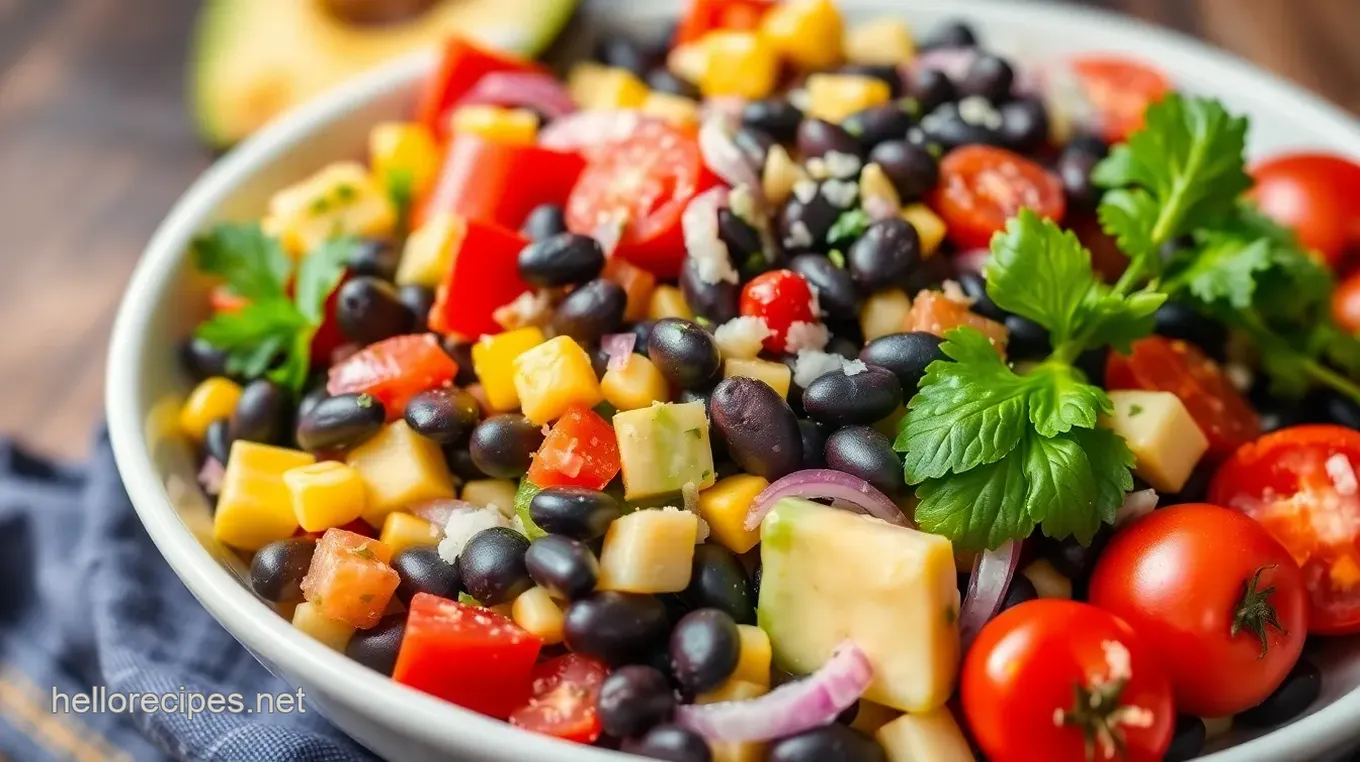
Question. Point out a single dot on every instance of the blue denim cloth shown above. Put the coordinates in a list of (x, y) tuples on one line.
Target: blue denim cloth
[(86, 600)]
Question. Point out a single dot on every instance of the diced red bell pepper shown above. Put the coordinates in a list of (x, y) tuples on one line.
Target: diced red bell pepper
[(483, 274), (462, 64), (394, 370), (705, 16), (500, 183), (580, 451), (565, 692), (469, 656)]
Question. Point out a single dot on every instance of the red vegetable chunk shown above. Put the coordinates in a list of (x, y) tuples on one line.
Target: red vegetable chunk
[(394, 370), (483, 274), (580, 451), (499, 183), (565, 690), (462, 65)]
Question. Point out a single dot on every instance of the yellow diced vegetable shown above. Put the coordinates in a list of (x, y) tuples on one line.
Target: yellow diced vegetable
[(781, 173), (688, 61), (341, 199), (404, 530), (327, 494), (833, 97), (485, 493), (215, 398), (539, 615), (664, 447), (732, 690), (676, 109), (884, 41), (428, 253), (931, 736), (875, 189), (738, 64), (403, 155), (725, 505), (884, 313), (807, 33), (332, 633), (636, 385), (738, 751), (255, 507), (594, 86), (554, 376), (872, 716), (775, 374), (928, 226), (649, 551), (1048, 581), (667, 301), (513, 126), (753, 665), (399, 467), (1165, 440), (493, 359)]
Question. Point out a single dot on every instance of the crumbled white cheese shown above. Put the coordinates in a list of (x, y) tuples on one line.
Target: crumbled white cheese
[(461, 527), (813, 364), (855, 367), (742, 337), (1342, 475), (843, 166), (529, 308), (954, 293), (802, 335), (689, 493), (714, 267), (841, 193), (979, 111), (517, 524), (915, 135), (816, 168), (799, 99), (799, 236), (805, 191)]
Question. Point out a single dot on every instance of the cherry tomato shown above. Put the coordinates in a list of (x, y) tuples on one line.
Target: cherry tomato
[(1314, 194), (705, 16), (981, 187), (394, 370), (643, 183), (1346, 303), (1221, 601), (1300, 484), (563, 700), (1120, 90), (1030, 680), (781, 298), (933, 312), (1171, 365), (593, 132)]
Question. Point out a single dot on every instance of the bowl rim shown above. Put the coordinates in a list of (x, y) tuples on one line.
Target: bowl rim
[(431, 720)]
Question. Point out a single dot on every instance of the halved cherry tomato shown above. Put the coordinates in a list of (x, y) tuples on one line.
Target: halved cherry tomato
[(643, 183), (1346, 303), (1031, 680), (394, 370), (1315, 195), (1300, 483), (1171, 365), (562, 704), (781, 298), (705, 16), (936, 313), (1120, 90), (580, 451), (461, 65), (483, 275), (981, 187), (1229, 622), (484, 180), (591, 133)]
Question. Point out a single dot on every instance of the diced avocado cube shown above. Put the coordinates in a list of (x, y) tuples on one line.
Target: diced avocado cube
[(664, 447)]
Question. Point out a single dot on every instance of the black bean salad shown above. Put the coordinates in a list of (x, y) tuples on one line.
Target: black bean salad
[(798, 390)]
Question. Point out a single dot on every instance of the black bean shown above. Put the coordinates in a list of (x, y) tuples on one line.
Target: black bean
[(888, 74), (704, 649), (906, 355), (930, 88), (445, 415), (461, 352), (1187, 740), (1092, 365), (642, 331), (814, 443), (377, 647), (575, 512), (217, 440), (619, 51), (590, 311), (887, 252), (758, 426), (878, 124), (545, 221), (861, 451), (277, 569), (1020, 591), (370, 309), (423, 570), (663, 80), (818, 137), (562, 566), (634, 699), (975, 288), (672, 743), (491, 566), (375, 257), (1301, 687), (461, 464), (202, 360), (755, 145), (946, 126), (716, 302), (835, 288), (340, 423), (618, 628), (840, 399), (740, 237), (1028, 340), (1024, 124), (684, 352), (1340, 410), (261, 413), (1072, 559), (913, 170), (775, 117), (718, 580), (418, 300), (315, 394), (1090, 144), (1195, 489), (503, 446), (833, 742), (1178, 320), (565, 259), (990, 77), (1074, 170), (803, 225), (955, 33)]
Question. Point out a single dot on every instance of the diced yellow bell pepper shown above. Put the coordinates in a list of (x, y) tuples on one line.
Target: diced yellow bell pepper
[(776, 374), (636, 385), (885, 41), (595, 86), (327, 494), (833, 97), (215, 398), (552, 377), (928, 226), (428, 253), (807, 33), (738, 64), (668, 301), (332, 633), (676, 109), (753, 663), (932, 735), (513, 126), (539, 615), (493, 359), (404, 530), (884, 313), (403, 155), (255, 507), (485, 493), (341, 199), (399, 467), (725, 505)]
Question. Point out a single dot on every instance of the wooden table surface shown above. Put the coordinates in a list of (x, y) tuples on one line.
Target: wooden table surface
[(95, 145)]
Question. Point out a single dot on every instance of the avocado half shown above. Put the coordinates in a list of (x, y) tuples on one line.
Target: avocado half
[(253, 59)]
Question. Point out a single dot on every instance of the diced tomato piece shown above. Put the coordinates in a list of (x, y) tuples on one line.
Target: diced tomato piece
[(933, 312), (221, 299), (483, 274), (466, 655), (462, 64), (780, 298), (636, 282), (580, 451), (981, 187), (705, 16), (394, 370), (1120, 90), (565, 690), (500, 183), (349, 578)]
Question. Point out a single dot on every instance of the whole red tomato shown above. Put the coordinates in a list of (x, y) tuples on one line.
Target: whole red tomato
[(1315, 195), (1064, 681), (1222, 602)]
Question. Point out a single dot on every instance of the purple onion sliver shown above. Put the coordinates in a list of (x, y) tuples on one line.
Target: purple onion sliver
[(846, 491), (210, 476), (531, 90), (724, 158), (618, 346), (991, 578), (1136, 505)]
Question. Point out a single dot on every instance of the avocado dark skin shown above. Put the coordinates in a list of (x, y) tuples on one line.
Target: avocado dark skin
[(377, 12)]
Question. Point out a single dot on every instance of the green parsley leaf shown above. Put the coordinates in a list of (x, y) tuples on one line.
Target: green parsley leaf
[(1224, 269), (850, 225), (1059, 400), (1111, 320), (981, 508), (524, 495), (253, 264), (837, 258), (468, 600), (1112, 466), (1040, 271), (254, 335), (400, 184), (318, 274), (1062, 488)]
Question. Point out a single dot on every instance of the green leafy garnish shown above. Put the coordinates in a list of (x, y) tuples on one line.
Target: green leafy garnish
[(837, 258), (524, 495), (400, 184), (850, 225), (468, 600)]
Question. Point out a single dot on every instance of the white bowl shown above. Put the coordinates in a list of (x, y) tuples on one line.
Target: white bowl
[(165, 299)]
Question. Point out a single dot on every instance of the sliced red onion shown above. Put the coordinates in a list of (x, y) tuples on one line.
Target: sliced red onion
[(791, 708), (532, 90), (712, 262), (845, 491), (1136, 505), (729, 106), (210, 476), (971, 261), (880, 208), (585, 129), (954, 62), (992, 574), (438, 510), (619, 347), (724, 158)]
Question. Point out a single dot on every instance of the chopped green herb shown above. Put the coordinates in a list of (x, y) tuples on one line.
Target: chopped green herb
[(705, 474), (320, 205), (365, 401), (468, 600), (695, 432), (345, 192), (364, 552), (849, 226), (950, 615), (837, 258), (1135, 410)]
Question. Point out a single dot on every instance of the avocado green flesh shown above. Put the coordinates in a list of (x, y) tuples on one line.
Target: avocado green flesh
[(666, 446)]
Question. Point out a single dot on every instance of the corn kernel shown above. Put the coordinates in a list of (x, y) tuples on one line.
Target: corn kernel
[(327, 494), (928, 226), (833, 97), (493, 358), (872, 716), (676, 109), (649, 551), (1047, 580), (404, 530), (807, 33), (332, 633), (738, 751), (552, 377), (539, 615), (399, 467), (667, 301), (725, 505), (738, 64), (884, 313), (882, 42), (485, 493), (215, 398), (776, 374), (403, 153), (875, 189), (732, 690), (428, 253), (255, 507), (636, 385), (781, 173), (341, 199), (512, 126), (594, 86), (753, 664), (932, 735)]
